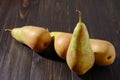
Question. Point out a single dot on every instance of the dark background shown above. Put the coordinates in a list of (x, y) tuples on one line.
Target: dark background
[(18, 62)]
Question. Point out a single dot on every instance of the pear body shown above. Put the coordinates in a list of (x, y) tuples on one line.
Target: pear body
[(37, 38), (80, 57), (104, 52), (61, 43)]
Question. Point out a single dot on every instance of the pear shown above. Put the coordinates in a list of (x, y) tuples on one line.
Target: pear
[(104, 51), (61, 43), (37, 38), (80, 57)]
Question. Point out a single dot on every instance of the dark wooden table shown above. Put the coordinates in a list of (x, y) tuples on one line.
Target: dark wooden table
[(18, 62)]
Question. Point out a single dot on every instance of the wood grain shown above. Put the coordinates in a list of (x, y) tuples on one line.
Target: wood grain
[(19, 62)]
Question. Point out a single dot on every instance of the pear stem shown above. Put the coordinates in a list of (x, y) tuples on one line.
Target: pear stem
[(80, 15), (8, 30)]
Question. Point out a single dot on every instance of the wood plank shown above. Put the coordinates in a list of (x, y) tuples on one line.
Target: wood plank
[(4, 6), (15, 58)]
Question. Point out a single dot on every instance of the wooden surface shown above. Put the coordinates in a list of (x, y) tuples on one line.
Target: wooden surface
[(18, 62)]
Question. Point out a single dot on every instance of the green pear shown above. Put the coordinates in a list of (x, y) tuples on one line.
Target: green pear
[(37, 38), (80, 57)]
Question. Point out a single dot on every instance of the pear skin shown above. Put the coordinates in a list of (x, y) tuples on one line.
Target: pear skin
[(61, 43), (80, 57), (104, 52), (37, 38)]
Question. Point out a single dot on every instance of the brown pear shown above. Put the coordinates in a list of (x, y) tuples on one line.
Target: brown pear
[(37, 38), (61, 43), (104, 52)]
